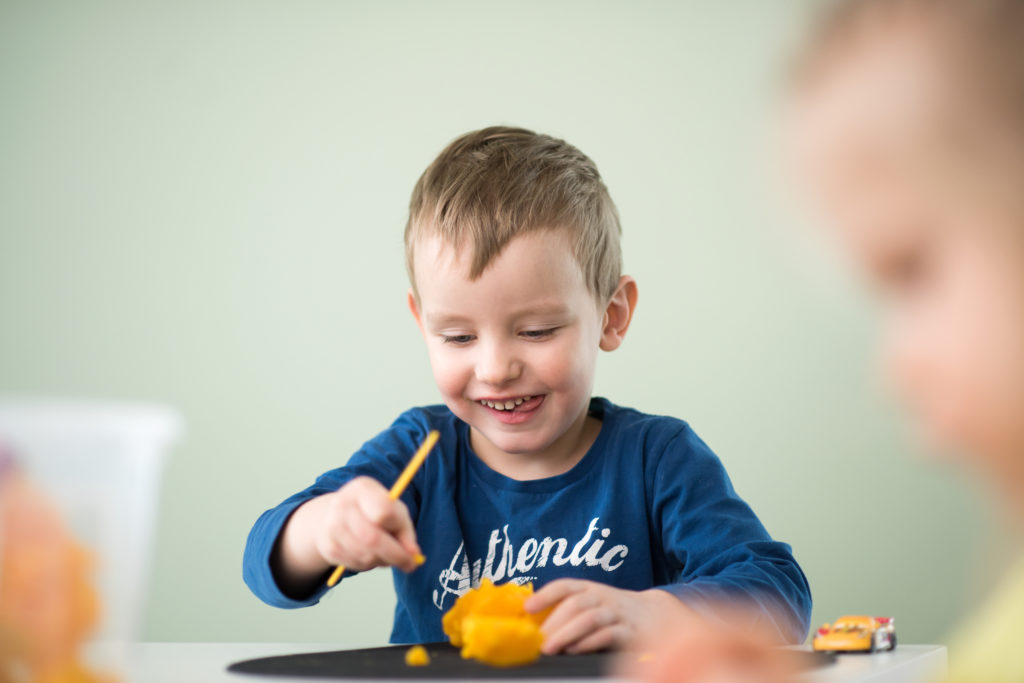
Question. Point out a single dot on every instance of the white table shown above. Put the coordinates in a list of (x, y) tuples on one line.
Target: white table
[(206, 663), (905, 664)]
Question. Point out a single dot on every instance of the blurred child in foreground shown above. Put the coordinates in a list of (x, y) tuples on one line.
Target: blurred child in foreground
[(908, 131)]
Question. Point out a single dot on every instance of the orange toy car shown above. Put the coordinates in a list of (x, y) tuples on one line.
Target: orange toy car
[(856, 634)]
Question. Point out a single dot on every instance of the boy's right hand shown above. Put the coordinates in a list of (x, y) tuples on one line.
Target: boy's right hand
[(357, 526), (363, 528)]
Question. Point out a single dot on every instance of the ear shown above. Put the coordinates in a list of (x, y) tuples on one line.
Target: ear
[(414, 308), (618, 314)]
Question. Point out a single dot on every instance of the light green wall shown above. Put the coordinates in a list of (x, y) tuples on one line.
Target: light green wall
[(201, 203)]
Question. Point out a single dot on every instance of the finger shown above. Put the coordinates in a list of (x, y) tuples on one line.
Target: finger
[(374, 503), (384, 549), (362, 487), (568, 609), (406, 531), (335, 539), (583, 624), (553, 593), (392, 517), (602, 639), (355, 551), (391, 552)]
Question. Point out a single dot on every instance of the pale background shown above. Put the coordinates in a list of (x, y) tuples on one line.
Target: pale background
[(201, 203)]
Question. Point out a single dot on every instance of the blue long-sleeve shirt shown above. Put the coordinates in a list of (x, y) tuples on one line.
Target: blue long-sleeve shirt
[(649, 505)]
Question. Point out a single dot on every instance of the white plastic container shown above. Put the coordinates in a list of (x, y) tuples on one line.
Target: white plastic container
[(100, 464)]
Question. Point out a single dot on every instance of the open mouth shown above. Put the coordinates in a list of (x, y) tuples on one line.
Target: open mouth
[(512, 409), (505, 404)]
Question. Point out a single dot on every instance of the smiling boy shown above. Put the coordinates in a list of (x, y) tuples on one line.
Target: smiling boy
[(513, 253)]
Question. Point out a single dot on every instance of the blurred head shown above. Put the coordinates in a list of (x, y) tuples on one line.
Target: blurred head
[(908, 126)]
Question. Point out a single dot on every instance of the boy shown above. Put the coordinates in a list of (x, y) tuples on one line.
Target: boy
[(513, 253), (908, 130)]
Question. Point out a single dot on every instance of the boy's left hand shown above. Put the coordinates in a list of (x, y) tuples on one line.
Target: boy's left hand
[(589, 616)]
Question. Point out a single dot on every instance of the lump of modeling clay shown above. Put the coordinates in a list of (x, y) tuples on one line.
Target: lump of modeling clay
[(417, 655), (490, 624)]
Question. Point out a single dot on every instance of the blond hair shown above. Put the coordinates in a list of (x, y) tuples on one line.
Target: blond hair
[(492, 185)]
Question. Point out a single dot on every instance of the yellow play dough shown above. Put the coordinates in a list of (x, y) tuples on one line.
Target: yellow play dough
[(490, 624), (417, 656)]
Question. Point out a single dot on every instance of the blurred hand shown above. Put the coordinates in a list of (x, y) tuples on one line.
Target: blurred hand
[(362, 528), (681, 646), (358, 526), (588, 616)]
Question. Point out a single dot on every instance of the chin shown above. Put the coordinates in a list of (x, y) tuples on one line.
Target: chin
[(950, 441), (516, 444)]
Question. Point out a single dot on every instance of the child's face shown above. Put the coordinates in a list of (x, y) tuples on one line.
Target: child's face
[(513, 351), (916, 177)]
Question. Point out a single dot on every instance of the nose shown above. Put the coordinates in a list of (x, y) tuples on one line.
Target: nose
[(497, 365)]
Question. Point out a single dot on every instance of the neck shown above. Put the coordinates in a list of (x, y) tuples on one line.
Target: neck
[(558, 458)]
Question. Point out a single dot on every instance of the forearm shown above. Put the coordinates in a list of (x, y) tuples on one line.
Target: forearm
[(296, 563), (718, 553), (657, 602), (762, 592)]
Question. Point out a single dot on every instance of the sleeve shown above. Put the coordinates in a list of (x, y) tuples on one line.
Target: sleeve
[(383, 458), (717, 548)]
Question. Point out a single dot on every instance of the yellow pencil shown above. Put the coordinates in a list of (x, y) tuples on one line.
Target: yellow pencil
[(396, 491)]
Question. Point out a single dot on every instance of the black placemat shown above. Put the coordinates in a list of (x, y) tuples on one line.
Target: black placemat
[(445, 662)]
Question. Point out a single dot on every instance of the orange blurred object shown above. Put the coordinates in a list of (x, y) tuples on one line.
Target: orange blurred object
[(48, 606), (501, 641), (490, 624), (417, 655)]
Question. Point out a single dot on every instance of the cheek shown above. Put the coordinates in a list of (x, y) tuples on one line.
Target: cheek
[(574, 364), (996, 335), (957, 356), (449, 371)]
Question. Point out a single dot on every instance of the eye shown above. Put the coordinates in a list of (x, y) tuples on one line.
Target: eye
[(539, 334), (457, 339), (908, 267)]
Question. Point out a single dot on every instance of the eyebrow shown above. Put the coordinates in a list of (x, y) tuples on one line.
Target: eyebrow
[(438, 319), (554, 310)]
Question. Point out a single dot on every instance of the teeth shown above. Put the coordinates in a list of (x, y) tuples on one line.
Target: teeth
[(505, 405)]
